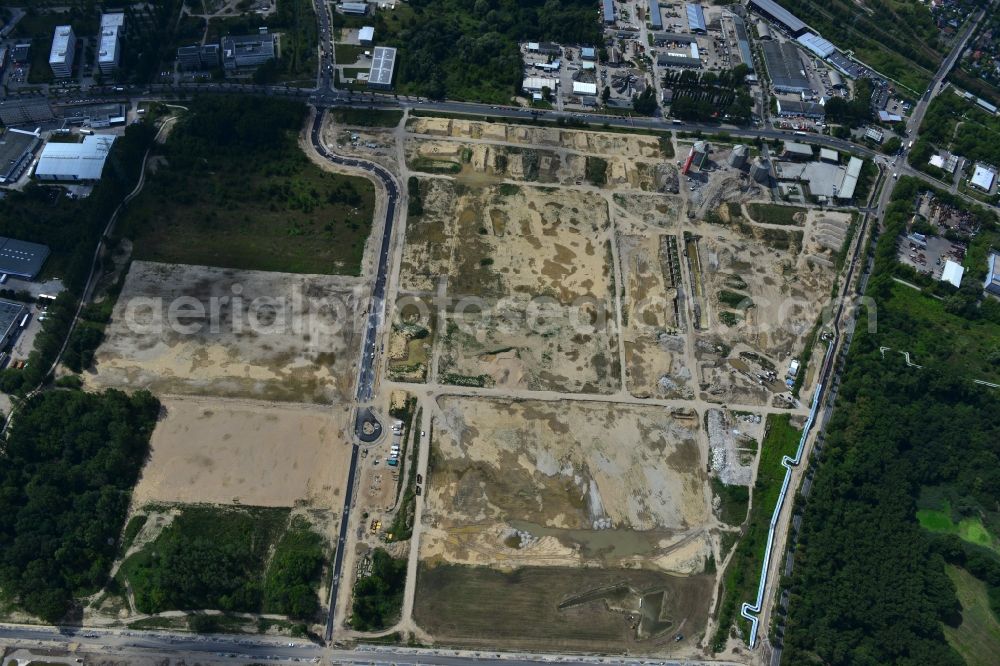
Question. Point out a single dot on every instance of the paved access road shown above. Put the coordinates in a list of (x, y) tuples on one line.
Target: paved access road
[(376, 318)]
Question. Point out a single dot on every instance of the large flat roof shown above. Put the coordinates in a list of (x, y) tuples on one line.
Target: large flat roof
[(695, 17), (983, 177), (22, 258), (10, 316), (383, 64), (77, 161), (14, 146), (115, 20), (784, 66), (850, 182), (60, 44), (779, 14), (952, 273)]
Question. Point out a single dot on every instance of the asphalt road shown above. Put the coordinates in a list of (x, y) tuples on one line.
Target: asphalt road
[(376, 317)]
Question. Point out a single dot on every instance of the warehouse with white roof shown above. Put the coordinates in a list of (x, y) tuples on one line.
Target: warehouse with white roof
[(983, 177), (75, 161)]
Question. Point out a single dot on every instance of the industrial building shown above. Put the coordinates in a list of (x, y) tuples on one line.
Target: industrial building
[(829, 155), (383, 68), (886, 117), (836, 80), (827, 181), (662, 38), (949, 163), (655, 18), (738, 158), (533, 84), (875, 134), (795, 150), (763, 32), (779, 15), (61, 55), (677, 60), (21, 258), (952, 273), (21, 111), (819, 46), (96, 115), (17, 147), (609, 12), (75, 161), (588, 53), (11, 314), (983, 177), (353, 8), (545, 48), (695, 18), (992, 284), (198, 56), (794, 107), (581, 88), (109, 50), (743, 41), (784, 66), (240, 51), (366, 36)]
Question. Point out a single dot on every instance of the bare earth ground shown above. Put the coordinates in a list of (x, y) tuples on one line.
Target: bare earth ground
[(565, 483), (528, 275), (225, 451), (294, 344)]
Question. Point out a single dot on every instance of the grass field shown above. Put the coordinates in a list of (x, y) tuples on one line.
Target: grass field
[(774, 214), (962, 343), (457, 604), (977, 639), (968, 529), (347, 54), (283, 214), (743, 573)]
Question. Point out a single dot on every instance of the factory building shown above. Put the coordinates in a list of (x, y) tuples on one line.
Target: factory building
[(794, 107), (983, 177), (109, 49), (952, 273), (695, 18), (609, 12), (21, 258), (17, 147), (816, 44), (763, 32), (383, 68), (75, 161), (784, 66), (366, 36), (829, 155), (11, 314), (655, 18), (663, 38), (743, 41), (581, 88), (61, 55), (239, 51), (96, 115), (797, 151), (16, 111), (677, 60), (198, 57), (353, 8), (992, 284), (534, 84), (779, 15)]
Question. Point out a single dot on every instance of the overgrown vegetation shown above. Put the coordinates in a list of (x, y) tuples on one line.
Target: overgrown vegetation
[(234, 190), (67, 470), (367, 117), (468, 49), (597, 171), (217, 558), (378, 598), (775, 213), (743, 573), (710, 96), (869, 584)]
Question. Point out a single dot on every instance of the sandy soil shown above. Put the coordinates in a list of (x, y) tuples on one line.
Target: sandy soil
[(528, 282), (295, 343), (567, 483), (224, 451)]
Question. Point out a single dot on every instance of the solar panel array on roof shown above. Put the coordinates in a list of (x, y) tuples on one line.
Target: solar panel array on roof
[(696, 18), (383, 65), (785, 67), (780, 15)]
